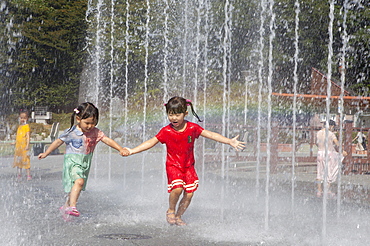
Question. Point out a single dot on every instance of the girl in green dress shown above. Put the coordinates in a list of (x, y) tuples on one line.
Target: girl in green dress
[(80, 140)]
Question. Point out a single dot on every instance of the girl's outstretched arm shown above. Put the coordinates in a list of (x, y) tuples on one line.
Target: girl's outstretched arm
[(144, 146), (53, 146), (234, 142), (113, 144)]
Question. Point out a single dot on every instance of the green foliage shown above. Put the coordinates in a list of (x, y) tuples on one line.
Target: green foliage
[(314, 41), (43, 67), (64, 120), (358, 68), (38, 128), (46, 53)]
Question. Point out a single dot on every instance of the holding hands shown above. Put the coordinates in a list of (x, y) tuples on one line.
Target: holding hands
[(125, 151)]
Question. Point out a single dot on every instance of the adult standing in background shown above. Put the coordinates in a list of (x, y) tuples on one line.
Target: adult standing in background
[(330, 147)]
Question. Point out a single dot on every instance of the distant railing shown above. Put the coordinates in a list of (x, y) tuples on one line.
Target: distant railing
[(355, 162)]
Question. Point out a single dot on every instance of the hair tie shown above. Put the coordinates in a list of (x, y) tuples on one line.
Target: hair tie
[(76, 111), (188, 101)]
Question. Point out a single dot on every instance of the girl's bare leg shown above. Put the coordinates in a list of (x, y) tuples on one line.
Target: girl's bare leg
[(184, 204), (75, 192), (28, 173), (173, 199), (19, 171)]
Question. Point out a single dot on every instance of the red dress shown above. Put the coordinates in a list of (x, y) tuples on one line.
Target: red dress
[(180, 156)]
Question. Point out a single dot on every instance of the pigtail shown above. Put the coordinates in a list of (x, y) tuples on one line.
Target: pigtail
[(72, 120), (75, 113), (188, 103)]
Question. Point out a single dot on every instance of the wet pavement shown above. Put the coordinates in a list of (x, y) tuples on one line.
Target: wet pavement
[(126, 200)]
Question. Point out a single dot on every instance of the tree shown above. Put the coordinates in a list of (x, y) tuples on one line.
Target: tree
[(47, 53), (358, 50), (314, 41)]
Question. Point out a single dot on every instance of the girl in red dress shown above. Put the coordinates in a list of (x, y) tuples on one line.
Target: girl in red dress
[(179, 137)]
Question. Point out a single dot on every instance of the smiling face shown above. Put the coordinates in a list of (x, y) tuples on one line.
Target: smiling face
[(86, 125), (177, 120)]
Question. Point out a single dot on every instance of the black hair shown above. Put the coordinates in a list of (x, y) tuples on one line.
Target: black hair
[(83, 111), (178, 105), (24, 111), (331, 123)]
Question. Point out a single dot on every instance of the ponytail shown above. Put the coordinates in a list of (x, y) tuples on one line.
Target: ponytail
[(189, 103)]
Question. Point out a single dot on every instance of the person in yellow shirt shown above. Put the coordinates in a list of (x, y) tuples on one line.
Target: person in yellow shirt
[(22, 145)]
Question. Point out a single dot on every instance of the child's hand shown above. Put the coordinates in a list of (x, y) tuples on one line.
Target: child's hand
[(125, 151), (238, 145), (42, 156)]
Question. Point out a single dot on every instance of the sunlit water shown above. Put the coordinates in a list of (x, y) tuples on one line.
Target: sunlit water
[(30, 209), (230, 207)]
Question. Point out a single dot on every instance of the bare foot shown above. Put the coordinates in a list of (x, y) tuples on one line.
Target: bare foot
[(180, 222), (171, 219)]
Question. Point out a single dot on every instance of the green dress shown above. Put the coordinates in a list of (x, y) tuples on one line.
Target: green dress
[(79, 152)]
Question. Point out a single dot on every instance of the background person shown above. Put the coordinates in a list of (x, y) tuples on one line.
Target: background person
[(22, 146), (331, 146)]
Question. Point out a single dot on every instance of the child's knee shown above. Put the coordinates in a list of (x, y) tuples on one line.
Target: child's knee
[(80, 182), (177, 191), (188, 196)]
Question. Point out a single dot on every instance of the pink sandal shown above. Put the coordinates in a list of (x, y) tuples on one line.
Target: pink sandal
[(72, 211)]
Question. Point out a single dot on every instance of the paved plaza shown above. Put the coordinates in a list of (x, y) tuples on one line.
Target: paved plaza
[(126, 200)]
